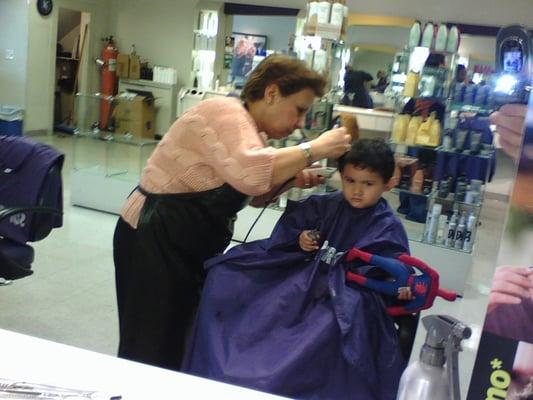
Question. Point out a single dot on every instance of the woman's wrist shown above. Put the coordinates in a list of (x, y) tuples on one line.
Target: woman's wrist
[(307, 150)]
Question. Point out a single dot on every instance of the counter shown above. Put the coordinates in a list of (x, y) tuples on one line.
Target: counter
[(369, 119), (30, 359)]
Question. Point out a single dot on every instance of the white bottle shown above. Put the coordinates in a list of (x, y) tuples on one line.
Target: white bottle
[(337, 14), (453, 40), (452, 225), (428, 35), (324, 9), (460, 232), (442, 37), (313, 10), (433, 223), (469, 232), (442, 230), (414, 35)]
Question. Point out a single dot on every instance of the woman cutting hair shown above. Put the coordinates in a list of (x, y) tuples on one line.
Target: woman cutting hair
[(210, 163)]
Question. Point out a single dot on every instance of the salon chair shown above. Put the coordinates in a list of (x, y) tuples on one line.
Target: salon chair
[(31, 202)]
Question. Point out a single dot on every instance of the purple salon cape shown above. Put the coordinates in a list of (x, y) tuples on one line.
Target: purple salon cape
[(278, 319)]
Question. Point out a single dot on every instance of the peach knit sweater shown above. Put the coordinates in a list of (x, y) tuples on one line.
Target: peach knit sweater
[(213, 143)]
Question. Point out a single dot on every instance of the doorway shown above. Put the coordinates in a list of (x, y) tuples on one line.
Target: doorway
[(71, 35)]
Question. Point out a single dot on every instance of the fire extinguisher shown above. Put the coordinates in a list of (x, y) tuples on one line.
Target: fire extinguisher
[(109, 80)]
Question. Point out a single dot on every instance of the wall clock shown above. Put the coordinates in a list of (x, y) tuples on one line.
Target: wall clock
[(45, 6)]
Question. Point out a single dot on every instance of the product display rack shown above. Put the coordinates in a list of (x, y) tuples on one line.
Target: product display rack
[(106, 166), (449, 239)]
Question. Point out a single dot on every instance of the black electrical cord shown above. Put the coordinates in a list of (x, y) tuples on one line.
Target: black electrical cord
[(267, 203)]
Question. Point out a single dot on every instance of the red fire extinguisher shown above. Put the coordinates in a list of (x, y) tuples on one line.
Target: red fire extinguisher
[(109, 79)]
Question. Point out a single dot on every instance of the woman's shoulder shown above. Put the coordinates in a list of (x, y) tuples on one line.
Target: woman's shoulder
[(221, 105)]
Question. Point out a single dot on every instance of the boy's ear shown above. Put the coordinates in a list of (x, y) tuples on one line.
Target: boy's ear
[(390, 184)]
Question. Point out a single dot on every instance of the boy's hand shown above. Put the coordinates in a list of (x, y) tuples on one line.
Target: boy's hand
[(308, 240), (405, 294)]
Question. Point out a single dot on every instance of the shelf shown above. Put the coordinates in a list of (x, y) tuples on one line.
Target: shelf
[(452, 200), (106, 136), (440, 149), (398, 190), (471, 108), (67, 59)]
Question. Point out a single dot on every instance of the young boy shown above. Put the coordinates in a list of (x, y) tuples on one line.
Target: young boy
[(276, 314)]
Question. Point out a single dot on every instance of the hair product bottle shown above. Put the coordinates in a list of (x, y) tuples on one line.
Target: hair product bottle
[(454, 37), (410, 88), (312, 12), (337, 13), (442, 230), (435, 131), (399, 130), (414, 35), (441, 38), (422, 136), (452, 225), (323, 12), (460, 232), (428, 35), (470, 232), (433, 223), (412, 129)]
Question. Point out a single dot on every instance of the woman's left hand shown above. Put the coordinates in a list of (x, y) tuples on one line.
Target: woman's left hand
[(305, 179)]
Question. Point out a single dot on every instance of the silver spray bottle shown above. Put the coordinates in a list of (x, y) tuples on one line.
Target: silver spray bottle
[(435, 376)]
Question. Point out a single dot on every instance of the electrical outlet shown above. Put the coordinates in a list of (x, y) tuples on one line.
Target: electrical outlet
[(10, 54)]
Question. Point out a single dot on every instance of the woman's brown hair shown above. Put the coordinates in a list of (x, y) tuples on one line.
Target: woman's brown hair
[(289, 74)]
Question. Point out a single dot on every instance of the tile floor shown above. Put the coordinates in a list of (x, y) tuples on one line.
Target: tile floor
[(70, 297)]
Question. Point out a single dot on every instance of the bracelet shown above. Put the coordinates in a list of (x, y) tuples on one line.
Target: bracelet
[(306, 148)]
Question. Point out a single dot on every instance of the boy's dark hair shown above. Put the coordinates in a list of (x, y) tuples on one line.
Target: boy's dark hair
[(372, 154), (289, 74)]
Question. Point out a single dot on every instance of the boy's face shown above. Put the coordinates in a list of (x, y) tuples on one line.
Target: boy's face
[(362, 188)]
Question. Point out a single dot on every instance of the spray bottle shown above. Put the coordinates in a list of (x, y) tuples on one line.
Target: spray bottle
[(435, 375)]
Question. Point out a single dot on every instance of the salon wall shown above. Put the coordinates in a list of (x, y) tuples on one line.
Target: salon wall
[(161, 30), (13, 36), (276, 28)]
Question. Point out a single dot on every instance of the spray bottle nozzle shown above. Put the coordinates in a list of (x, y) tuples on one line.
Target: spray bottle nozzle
[(443, 343), (443, 328)]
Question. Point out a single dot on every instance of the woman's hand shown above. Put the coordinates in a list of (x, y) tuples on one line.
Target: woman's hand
[(331, 144), (510, 126), (308, 241), (511, 284), (306, 179)]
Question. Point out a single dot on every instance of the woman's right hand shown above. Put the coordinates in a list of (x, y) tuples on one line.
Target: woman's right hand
[(509, 121), (510, 285), (331, 144)]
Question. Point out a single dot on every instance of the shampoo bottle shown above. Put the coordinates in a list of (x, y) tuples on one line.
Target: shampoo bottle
[(414, 35), (441, 38), (411, 84), (412, 129), (435, 131), (422, 136), (399, 130), (428, 35)]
